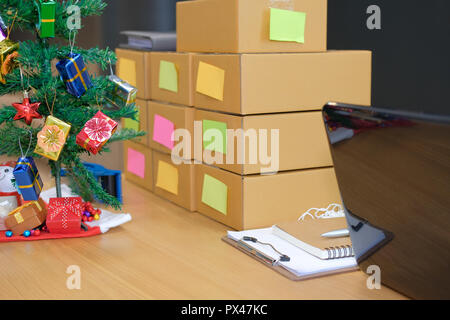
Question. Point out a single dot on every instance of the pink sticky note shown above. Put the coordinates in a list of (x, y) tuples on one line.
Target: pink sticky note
[(162, 131), (136, 163)]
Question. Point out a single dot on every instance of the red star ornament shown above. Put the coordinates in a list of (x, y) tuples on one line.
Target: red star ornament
[(27, 111)]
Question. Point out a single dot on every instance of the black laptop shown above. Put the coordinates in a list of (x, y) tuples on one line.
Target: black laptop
[(393, 171)]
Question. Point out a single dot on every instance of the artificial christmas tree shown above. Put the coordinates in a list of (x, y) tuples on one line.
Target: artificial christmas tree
[(69, 99)]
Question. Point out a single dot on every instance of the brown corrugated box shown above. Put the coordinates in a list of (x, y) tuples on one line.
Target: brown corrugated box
[(244, 26), (134, 67), (29, 216), (184, 196), (142, 121), (271, 83), (263, 200), (303, 141), (183, 63), (182, 117), (143, 178)]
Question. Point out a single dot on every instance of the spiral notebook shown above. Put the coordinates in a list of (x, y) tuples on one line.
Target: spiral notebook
[(306, 235)]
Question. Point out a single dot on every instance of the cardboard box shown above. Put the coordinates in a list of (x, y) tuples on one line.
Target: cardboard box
[(29, 216), (171, 79), (174, 182), (301, 136), (247, 202), (138, 164), (270, 83), (244, 26), (141, 124), (134, 67), (163, 119)]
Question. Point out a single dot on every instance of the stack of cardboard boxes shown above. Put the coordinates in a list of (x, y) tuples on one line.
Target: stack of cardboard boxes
[(260, 68)]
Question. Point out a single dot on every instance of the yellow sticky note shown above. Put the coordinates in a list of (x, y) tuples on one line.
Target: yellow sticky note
[(167, 177), (210, 80), (168, 76), (132, 124), (127, 70)]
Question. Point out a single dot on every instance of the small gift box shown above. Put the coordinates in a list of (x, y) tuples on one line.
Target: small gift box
[(9, 51), (51, 138), (96, 132), (74, 73), (29, 216), (47, 18), (64, 215), (123, 93), (28, 179)]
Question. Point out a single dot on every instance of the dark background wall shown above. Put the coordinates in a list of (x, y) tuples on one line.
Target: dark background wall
[(411, 65)]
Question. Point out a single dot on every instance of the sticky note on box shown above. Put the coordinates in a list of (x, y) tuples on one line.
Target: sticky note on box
[(168, 76), (167, 178), (215, 194), (132, 124), (162, 131), (215, 136), (136, 163), (287, 25), (210, 80), (127, 71)]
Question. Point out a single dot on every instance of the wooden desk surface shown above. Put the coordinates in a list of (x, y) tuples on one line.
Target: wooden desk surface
[(165, 252)]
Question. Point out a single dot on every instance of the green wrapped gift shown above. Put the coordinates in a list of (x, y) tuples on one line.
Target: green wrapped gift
[(47, 18)]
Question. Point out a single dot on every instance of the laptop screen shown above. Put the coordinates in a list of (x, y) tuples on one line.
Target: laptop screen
[(393, 171)]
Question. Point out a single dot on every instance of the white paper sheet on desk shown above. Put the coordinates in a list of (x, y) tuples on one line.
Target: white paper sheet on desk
[(301, 263)]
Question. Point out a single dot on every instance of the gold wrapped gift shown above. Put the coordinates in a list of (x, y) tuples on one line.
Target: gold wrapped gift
[(52, 138)]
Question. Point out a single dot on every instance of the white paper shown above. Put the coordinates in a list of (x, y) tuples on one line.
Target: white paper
[(301, 262)]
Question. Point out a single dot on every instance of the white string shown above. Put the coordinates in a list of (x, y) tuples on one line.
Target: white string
[(29, 145), (72, 44), (332, 211)]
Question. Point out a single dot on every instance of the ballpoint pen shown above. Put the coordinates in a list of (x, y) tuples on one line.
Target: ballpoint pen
[(336, 233)]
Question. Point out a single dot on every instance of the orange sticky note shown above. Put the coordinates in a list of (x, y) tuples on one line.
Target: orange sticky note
[(167, 177), (210, 80)]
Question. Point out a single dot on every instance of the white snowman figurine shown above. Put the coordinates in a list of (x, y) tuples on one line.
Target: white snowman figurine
[(9, 197)]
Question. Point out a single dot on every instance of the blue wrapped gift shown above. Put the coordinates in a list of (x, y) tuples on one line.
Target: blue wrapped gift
[(28, 179), (74, 73)]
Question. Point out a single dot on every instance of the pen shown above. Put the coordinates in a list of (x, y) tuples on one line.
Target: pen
[(336, 233)]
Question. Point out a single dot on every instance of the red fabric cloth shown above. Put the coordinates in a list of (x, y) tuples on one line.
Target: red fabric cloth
[(46, 236)]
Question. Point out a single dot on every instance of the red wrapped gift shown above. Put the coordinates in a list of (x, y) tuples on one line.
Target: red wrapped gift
[(64, 215), (96, 132)]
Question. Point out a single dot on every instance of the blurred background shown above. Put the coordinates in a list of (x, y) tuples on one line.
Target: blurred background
[(411, 68)]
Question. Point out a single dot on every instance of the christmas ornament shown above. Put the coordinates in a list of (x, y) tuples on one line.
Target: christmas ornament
[(96, 132), (123, 94), (28, 179), (9, 197), (64, 215), (8, 54), (52, 138), (47, 13), (26, 110), (3, 30), (74, 73)]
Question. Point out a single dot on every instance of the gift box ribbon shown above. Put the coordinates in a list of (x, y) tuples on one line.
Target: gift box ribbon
[(36, 177), (17, 212), (79, 73)]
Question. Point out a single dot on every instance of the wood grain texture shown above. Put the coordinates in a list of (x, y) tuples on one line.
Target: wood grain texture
[(165, 252)]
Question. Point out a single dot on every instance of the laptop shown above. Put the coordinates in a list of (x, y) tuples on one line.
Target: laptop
[(393, 171)]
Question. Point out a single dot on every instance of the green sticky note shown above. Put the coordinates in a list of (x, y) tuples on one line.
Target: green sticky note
[(286, 25), (132, 124), (215, 194), (168, 76), (215, 136)]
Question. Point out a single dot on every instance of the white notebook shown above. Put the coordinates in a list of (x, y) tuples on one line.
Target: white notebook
[(301, 264)]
